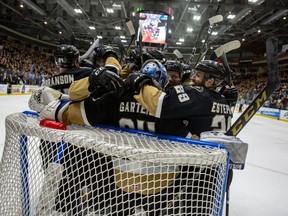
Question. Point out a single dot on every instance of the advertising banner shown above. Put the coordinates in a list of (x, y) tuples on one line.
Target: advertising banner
[(270, 112), (3, 89), (284, 115)]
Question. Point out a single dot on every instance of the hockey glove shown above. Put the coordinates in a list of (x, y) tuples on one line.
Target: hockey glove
[(48, 102), (103, 52), (231, 95), (135, 81), (237, 149), (102, 81)]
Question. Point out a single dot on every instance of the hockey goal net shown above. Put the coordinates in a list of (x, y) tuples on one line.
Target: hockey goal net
[(104, 171)]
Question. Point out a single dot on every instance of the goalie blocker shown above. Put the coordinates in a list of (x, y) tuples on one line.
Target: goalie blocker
[(238, 149)]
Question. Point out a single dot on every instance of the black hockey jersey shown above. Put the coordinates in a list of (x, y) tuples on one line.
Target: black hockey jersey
[(119, 108), (197, 107), (63, 81)]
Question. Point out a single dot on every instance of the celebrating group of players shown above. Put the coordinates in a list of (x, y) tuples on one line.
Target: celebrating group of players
[(145, 96), (148, 93)]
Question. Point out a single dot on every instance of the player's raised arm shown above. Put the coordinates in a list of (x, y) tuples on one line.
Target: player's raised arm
[(97, 84), (148, 84)]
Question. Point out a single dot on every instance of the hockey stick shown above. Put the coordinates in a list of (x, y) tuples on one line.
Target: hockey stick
[(178, 54), (228, 73), (225, 48), (209, 22), (121, 47), (140, 43), (90, 50), (266, 92), (131, 29)]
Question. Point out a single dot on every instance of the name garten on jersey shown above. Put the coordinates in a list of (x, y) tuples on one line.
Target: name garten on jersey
[(133, 107)]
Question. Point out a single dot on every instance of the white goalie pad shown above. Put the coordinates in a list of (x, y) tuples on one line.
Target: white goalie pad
[(237, 149)]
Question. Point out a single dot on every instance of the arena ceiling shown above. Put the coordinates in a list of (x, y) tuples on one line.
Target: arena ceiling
[(254, 21)]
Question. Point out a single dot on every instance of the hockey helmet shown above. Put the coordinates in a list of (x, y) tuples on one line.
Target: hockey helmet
[(66, 56), (154, 54), (155, 70), (212, 69), (173, 65), (187, 70)]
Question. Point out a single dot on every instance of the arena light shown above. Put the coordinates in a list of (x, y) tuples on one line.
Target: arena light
[(189, 29), (78, 11), (231, 16), (196, 17), (110, 10)]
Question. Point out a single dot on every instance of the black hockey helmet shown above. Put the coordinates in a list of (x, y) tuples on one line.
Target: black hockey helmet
[(173, 65), (154, 54), (187, 70), (66, 56), (212, 69), (133, 55), (151, 54)]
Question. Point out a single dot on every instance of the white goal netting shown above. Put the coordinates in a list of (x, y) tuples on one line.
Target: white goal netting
[(103, 171)]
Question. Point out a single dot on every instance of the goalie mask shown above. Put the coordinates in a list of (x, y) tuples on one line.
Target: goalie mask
[(157, 71), (66, 56), (212, 69)]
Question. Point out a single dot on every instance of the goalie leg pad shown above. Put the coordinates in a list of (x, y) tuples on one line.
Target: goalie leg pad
[(237, 149), (42, 96), (54, 110)]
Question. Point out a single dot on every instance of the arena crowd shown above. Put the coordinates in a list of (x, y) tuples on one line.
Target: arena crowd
[(21, 64)]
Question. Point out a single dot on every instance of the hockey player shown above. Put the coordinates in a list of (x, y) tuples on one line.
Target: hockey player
[(198, 107), (203, 75), (67, 60), (175, 72), (178, 103)]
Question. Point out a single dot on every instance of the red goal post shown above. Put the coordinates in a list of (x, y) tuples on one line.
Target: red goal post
[(107, 171)]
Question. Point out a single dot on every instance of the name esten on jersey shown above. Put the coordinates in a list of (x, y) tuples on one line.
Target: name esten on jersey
[(133, 107), (221, 108), (59, 80)]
